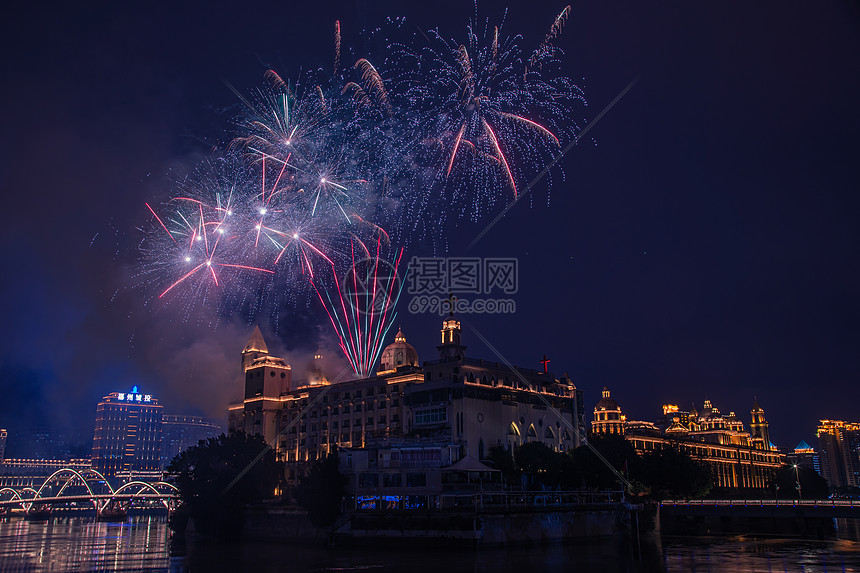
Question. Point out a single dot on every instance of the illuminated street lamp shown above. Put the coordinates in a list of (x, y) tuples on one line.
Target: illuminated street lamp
[(797, 476)]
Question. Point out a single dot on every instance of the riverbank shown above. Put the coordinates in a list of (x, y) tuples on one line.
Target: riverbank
[(485, 527), (145, 544)]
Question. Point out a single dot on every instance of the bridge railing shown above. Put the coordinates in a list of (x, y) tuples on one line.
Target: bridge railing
[(760, 502)]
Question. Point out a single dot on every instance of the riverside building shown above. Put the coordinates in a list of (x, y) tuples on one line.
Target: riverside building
[(127, 441), (839, 452), (470, 403), (736, 458)]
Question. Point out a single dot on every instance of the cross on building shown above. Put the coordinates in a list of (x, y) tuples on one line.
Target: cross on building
[(545, 361)]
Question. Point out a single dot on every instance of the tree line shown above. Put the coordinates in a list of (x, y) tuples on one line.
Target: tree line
[(220, 476)]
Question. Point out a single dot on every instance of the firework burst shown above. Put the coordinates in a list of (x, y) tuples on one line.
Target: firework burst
[(485, 115), (323, 168)]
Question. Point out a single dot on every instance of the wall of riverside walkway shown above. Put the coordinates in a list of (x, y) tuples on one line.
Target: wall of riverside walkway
[(282, 524), (498, 527), (481, 528)]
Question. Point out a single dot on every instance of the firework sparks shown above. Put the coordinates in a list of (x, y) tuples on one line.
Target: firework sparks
[(361, 306), (323, 167)]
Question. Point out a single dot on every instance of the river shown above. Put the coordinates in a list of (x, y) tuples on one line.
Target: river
[(144, 544)]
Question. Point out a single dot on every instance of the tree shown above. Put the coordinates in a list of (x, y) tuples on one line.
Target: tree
[(669, 472), (502, 460), (322, 491), (219, 476), (590, 471), (812, 485)]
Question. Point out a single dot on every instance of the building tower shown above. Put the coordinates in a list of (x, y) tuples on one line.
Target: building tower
[(608, 418), (398, 353), (759, 434), (451, 348), (127, 441), (254, 348), (267, 378), (831, 436)]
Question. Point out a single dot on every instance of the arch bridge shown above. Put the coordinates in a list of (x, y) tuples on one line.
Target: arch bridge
[(67, 485)]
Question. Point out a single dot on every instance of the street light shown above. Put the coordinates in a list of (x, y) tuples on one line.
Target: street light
[(797, 476)]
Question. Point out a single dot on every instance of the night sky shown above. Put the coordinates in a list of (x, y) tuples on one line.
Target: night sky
[(703, 241)]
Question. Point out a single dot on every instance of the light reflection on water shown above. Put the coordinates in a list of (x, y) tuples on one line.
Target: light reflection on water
[(143, 544), (83, 544)]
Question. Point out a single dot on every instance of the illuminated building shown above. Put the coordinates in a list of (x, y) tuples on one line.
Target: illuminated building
[(759, 427), (307, 419), (254, 348), (473, 403), (127, 442), (736, 458), (32, 472), (483, 403), (804, 456), (839, 451), (179, 432), (608, 418), (411, 474), (2, 444), (397, 354)]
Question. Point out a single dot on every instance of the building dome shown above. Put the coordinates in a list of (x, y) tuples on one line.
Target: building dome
[(398, 353), (608, 418), (607, 402)]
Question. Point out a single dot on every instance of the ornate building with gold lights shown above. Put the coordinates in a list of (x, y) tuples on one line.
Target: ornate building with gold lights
[(471, 404), (737, 458)]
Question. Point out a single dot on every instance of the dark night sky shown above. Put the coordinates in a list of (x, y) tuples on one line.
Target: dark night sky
[(704, 243)]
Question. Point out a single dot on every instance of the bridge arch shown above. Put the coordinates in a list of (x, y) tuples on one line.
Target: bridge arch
[(15, 494), (75, 474), (143, 486), (161, 491)]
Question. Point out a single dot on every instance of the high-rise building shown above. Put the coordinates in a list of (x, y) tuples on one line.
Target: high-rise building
[(180, 432), (2, 444), (127, 442), (839, 452)]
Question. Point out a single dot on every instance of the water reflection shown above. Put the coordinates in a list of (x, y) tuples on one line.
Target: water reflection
[(740, 554), (83, 544), (143, 544)]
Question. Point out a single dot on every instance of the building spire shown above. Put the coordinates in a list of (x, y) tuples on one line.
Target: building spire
[(256, 342), (400, 337), (254, 348), (451, 347)]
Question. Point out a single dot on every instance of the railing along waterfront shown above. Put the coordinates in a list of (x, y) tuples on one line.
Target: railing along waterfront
[(483, 501), (835, 503)]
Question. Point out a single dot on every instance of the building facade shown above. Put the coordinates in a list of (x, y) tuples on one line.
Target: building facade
[(608, 418), (804, 456), (127, 441), (19, 473), (180, 432), (474, 403), (839, 452), (736, 458)]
